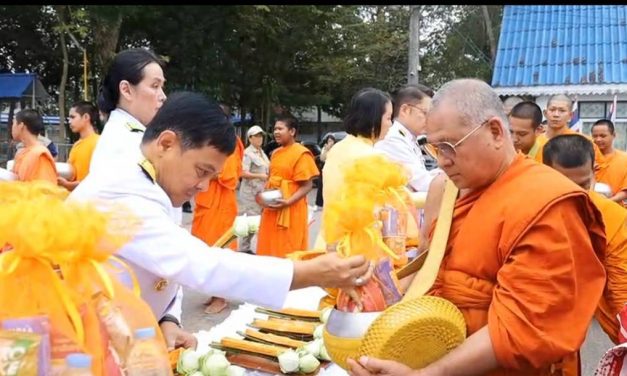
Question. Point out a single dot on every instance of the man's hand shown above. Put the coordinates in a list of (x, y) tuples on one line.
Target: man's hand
[(331, 270), (176, 337), (372, 366), (62, 182)]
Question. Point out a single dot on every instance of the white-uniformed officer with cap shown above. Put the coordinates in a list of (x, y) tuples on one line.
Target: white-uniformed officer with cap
[(184, 146)]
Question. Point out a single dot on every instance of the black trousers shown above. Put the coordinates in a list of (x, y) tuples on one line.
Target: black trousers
[(319, 201)]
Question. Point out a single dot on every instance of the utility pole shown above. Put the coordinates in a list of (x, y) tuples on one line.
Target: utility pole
[(414, 45)]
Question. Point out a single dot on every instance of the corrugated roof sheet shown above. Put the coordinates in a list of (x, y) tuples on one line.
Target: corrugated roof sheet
[(13, 85), (562, 45)]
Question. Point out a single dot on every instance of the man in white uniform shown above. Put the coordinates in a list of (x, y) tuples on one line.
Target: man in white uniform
[(184, 147), (400, 143)]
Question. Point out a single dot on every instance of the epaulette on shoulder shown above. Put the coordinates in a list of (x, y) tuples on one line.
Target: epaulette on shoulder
[(134, 127)]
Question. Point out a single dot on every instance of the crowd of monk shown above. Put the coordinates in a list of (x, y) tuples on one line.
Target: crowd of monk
[(534, 253)]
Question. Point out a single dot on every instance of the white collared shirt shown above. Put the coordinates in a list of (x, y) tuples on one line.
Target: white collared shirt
[(400, 146), (120, 140), (163, 250)]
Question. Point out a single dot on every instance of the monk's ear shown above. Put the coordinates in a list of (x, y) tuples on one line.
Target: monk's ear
[(497, 130), (167, 140)]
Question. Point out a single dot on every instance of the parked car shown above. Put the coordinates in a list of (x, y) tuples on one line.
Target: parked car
[(313, 147)]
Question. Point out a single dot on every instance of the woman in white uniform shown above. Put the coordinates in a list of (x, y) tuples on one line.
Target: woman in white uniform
[(131, 93)]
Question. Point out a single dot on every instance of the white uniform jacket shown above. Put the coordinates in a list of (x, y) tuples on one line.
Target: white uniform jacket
[(120, 140), (400, 146), (163, 251)]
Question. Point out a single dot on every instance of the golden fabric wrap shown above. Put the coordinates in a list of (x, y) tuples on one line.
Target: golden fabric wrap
[(55, 264)]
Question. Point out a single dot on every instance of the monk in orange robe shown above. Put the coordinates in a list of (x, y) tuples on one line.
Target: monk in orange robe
[(284, 228), (83, 117), (33, 161), (614, 173), (573, 156), (558, 113), (216, 209), (526, 281)]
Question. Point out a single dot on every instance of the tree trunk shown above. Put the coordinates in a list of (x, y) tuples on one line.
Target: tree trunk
[(63, 45), (489, 30), (414, 46), (106, 31)]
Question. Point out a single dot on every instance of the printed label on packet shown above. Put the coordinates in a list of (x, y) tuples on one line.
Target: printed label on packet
[(38, 325)]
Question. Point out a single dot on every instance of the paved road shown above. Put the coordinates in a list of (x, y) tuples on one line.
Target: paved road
[(195, 319)]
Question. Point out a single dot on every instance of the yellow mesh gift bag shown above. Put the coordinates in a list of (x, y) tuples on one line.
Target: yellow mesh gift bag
[(54, 265), (415, 331)]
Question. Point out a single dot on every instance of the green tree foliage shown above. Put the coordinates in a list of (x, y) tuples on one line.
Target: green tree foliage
[(256, 58)]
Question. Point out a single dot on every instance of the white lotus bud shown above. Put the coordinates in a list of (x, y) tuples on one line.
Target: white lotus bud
[(308, 363), (188, 362), (289, 361), (324, 314), (215, 365)]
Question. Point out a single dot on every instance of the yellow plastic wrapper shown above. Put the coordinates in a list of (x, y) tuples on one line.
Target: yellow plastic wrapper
[(55, 264), (373, 195)]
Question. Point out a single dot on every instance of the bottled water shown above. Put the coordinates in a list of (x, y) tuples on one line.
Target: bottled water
[(148, 356), (78, 364)]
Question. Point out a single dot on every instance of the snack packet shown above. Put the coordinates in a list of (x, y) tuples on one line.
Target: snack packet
[(18, 353), (39, 325)]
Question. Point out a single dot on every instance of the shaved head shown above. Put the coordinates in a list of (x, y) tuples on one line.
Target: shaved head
[(560, 98), (473, 99), (469, 130)]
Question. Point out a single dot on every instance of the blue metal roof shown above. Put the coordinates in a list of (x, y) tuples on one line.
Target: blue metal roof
[(14, 85), (561, 45)]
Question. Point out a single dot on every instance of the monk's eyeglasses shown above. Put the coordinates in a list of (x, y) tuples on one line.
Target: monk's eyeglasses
[(448, 150)]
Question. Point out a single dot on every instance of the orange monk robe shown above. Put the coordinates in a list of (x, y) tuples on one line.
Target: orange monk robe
[(528, 268), (615, 294), (614, 172), (80, 155), (216, 208), (35, 163), (286, 230), (599, 159)]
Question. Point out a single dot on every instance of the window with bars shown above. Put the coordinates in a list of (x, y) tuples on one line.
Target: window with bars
[(590, 112)]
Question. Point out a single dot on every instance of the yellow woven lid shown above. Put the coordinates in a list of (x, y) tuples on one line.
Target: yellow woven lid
[(415, 332)]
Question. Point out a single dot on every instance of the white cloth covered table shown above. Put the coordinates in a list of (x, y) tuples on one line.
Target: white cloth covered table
[(307, 298)]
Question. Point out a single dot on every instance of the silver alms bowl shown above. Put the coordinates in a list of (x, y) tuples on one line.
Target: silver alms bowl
[(270, 197)]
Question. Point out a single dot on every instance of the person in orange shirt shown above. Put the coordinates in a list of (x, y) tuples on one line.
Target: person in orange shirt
[(573, 156), (283, 227), (83, 120), (559, 112), (33, 161), (526, 281), (614, 173), (216, 209)]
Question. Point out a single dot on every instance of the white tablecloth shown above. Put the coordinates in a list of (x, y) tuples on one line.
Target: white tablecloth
[(307, 298)]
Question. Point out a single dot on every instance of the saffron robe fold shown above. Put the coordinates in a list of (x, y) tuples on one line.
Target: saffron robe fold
[(527, 266), (286, 230), (80, 155), (614, 172), (35, 163), (216, 208), (615, 293)]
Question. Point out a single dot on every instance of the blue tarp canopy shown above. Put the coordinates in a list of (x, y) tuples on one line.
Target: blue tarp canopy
[(21, 86)]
